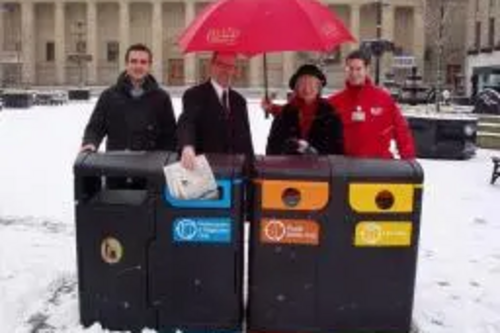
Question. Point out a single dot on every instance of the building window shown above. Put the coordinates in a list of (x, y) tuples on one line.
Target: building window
[(491, 32), (477, 39), (50, 52), (112, 51), (175, 72), (452, 73), (81, 47)]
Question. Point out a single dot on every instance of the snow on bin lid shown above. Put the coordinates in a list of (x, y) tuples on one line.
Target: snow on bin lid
[(448, 112), (440, 116)]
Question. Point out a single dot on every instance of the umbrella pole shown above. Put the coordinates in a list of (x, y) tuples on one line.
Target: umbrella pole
[(266, 93)]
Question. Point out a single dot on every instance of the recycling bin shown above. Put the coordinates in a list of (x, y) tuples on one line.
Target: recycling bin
[(114, 228), (196, 275), (79, 94), (18, 99), (291, 209), (334, 245), (444, 136)]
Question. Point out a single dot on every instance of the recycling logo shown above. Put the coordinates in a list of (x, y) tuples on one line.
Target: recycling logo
[(275, 230), (186, 229)]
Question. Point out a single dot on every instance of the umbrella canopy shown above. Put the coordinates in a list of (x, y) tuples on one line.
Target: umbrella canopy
[(251, 27)]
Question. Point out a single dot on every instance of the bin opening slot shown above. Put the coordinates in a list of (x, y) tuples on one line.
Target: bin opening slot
[(213, 195), (385, 200), (291, 197), (115, 190)]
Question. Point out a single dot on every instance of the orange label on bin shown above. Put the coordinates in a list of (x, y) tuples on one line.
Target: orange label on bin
[(279, 231)]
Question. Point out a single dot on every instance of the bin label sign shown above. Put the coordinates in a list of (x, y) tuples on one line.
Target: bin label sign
[(202, 230), (281, 231), (383, 234), (111, 251)]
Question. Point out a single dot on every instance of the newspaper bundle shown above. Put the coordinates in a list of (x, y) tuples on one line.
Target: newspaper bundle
[(198, 183)]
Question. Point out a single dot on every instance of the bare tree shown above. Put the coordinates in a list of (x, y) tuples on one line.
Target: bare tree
[(445, 30)]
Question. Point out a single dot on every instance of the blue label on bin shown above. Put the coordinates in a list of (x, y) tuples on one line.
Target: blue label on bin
[(202, 230)]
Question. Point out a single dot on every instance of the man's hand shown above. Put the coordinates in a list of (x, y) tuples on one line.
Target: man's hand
[(188, 157), (88, 147)]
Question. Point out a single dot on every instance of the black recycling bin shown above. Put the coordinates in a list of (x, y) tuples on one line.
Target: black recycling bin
[(196, 275), (79, 94), (444, 136), (334, 245), (116, 195), (292, 201), (18, 99)]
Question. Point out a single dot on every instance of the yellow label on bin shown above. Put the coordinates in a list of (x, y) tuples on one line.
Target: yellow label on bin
[(383, 234), (382, 198)]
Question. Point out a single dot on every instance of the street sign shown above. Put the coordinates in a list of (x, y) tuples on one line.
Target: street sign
[(404, 62), (77, 57)]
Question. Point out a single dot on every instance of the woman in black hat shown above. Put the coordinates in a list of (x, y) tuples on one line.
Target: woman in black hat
[(307, 124)]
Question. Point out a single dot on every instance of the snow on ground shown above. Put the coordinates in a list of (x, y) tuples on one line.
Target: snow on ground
[(459, 263)]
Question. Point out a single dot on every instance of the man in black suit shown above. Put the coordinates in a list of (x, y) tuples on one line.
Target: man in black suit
[(214, 117)]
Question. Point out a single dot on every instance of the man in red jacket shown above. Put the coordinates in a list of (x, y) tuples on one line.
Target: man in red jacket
[(370, 117)]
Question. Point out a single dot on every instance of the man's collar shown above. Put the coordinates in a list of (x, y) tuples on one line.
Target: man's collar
[(368, 82), (218, 88)]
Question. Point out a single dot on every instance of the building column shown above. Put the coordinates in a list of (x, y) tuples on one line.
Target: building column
[(124, 31), (189, 59), (92, 42), (354, 25), (2, 10), (419, 36), (388, 17), (388, 23), (28, 43), (497, 23), (157, 47), (470, 21), (60, 42), (288, 67), (256, 71), (2, 38)]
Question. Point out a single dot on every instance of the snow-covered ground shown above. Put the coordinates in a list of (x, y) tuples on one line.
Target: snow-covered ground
[(458, 283)]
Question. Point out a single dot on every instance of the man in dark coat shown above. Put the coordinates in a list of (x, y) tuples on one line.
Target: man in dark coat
[(214, 117), (307, 124), (135, 113)]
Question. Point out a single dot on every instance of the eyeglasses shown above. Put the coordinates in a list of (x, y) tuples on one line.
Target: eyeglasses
[(139, 61), (224, 65)]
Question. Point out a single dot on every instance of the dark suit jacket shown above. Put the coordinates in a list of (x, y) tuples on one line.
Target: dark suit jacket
[(203, 123), (143, 123), (325, 134)]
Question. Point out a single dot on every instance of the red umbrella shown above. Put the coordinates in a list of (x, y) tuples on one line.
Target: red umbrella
[(256, 26), (250, 27)]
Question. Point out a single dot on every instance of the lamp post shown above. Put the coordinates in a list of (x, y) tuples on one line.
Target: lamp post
[(439, 65), (378, 37), (80, 56), (80, 33)]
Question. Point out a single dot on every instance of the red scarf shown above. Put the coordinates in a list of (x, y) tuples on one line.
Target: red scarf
[(307, 112)]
